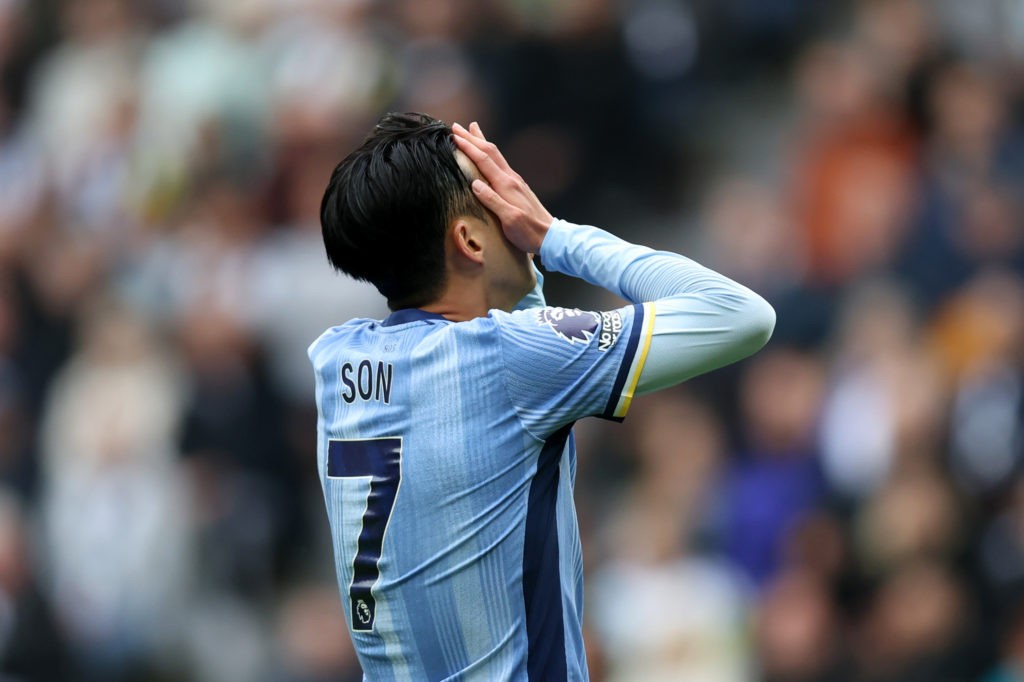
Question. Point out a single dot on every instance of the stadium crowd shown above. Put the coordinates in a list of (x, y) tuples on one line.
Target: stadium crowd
[(846, 505)]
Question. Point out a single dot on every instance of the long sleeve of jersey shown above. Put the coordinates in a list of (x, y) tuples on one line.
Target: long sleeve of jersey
[(702, 320)]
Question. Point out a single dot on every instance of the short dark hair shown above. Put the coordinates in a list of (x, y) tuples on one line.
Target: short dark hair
[(389, 203)]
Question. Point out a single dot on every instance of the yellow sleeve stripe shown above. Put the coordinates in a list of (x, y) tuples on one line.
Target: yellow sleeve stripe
[(639, 358)]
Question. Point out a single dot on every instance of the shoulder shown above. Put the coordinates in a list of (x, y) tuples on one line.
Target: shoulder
[(337, 333)]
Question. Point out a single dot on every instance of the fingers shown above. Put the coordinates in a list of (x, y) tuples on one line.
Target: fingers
[(487, 165), (478, 142), (474, 131), (475, 135), (493, 201)]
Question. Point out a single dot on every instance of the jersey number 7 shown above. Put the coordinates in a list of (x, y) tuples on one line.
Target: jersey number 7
[(381, 460)]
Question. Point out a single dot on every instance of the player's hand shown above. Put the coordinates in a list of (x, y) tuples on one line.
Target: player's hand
[(523, 218)]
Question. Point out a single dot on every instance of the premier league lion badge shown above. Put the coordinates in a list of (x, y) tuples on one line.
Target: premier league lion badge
[(571, 324)]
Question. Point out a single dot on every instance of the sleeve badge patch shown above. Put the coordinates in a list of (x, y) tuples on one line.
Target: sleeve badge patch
[(570, 324)]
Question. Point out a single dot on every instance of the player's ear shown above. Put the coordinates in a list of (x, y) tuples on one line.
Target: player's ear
[(468, 238)]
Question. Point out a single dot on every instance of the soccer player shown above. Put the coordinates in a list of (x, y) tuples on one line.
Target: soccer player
[(445, 445)]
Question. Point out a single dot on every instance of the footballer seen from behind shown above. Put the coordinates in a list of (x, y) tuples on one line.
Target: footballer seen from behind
[(445, 444)]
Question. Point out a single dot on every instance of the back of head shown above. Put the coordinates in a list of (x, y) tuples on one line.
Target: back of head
[(389, 203)]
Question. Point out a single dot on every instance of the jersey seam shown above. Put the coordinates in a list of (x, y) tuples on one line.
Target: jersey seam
[(508, 390)]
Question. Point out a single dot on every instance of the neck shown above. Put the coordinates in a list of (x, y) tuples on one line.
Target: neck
[(455, 314), (465, 299)]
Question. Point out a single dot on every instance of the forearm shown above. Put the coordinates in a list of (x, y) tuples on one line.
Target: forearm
[(703, 320), (636, 273)]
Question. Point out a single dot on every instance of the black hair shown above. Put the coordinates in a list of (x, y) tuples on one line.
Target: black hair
[(389, 203)]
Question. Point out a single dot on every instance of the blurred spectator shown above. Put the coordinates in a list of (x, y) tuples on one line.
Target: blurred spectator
[(915, 515), (1002, 553), (83, 83), (314, 638), (32, 645), (900, 36), (663, 614), (203, 74), (797, 631), (115, 506), (311, 98), (979, 334), (969, 215), (226, 639), (678, 446), (852, 180), (918, 627), (886, 396), (21, 179), (17, 470), (775, 479), (692, 608), (233, 438)]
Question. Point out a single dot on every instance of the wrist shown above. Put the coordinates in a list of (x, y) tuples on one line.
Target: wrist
[(555, 243), (541, 235)]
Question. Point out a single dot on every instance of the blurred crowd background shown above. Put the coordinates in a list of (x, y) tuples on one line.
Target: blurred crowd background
[(846, 505)]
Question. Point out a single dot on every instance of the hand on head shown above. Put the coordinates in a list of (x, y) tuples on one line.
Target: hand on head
[(523, 217)]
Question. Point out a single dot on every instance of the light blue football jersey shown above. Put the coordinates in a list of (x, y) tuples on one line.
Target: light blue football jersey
[(447, 463)]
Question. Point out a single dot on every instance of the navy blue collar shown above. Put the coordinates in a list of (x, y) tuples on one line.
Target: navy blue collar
[(410, 315)]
